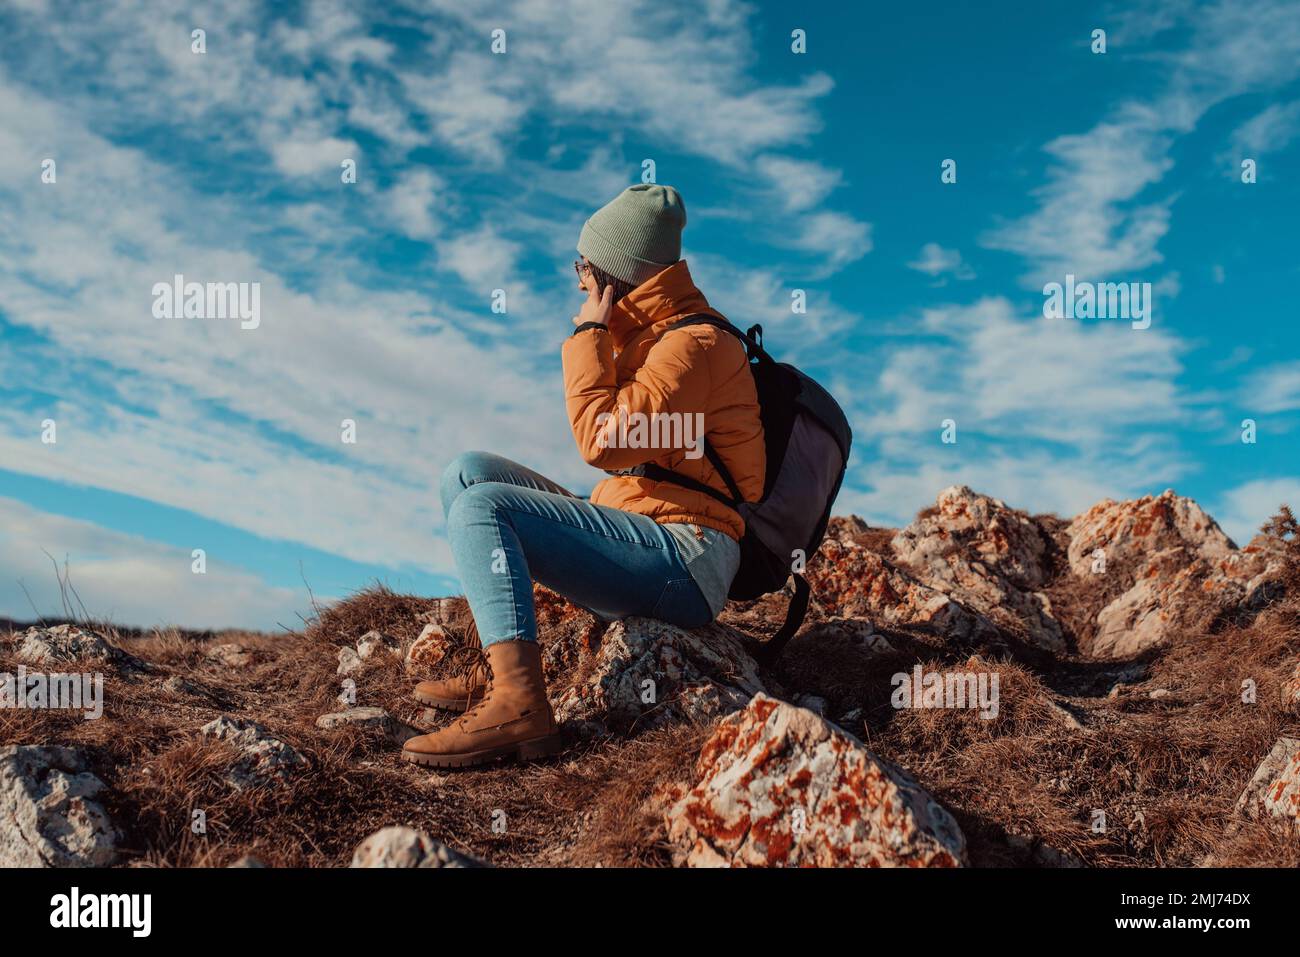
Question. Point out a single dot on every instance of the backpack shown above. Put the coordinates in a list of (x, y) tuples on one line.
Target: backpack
[(808, 438)]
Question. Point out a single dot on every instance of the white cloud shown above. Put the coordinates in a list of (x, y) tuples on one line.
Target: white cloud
[(936, 261), (127, 579), (798, 184), (1268, 131), (1275, 388), (1242, 510), (837, 237), (1091, 219), (305, 157), (1082, 226), (482, 258), (1056, 380), (241, 426), (1051, 414), (413, 202)]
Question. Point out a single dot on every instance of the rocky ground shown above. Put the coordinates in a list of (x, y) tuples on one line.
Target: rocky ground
[(1147, 713)]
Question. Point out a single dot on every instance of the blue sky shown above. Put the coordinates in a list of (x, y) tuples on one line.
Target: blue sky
[(817, 171)]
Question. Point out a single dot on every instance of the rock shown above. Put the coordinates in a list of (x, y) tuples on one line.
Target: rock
[(1175, 588), (50, 815), (779, 786), (853, 582), (1273, 793), (1146, 614), (373, 642), (567, 634), (349, 660), (812, 702), (856, 632), (374, 719), (432, 645), (1159, 693), (1064, 715), (648, 672), (263, 759), (407, 847), (1131, 531), (851, 718), (230, 655), (248, 861), (1179, 570), (428, 719), (991, 558), (60, 644), (446, 611), (183, 687)]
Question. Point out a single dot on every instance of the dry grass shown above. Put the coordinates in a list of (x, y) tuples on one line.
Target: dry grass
[(1024, 786)]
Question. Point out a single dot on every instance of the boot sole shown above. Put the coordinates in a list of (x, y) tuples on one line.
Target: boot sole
[(445, 704), (523, 751)]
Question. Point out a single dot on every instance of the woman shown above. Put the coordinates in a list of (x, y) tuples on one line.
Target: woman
[(638, 546)]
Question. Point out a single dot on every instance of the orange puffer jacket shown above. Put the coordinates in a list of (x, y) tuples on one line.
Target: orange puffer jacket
[(618, 384)]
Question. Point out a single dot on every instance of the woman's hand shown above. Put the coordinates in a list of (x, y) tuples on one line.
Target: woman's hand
[(596, 308)]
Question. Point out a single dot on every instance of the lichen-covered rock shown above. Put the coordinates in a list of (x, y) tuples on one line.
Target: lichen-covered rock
[(1273, 793), (1175, 588), (965, 527), (50, 813), (261, 758), (65, 644), (407, 847), (370, 719), (1146, 614), (566, 633), (779, 786), (452, 611), (230, 655), (850, 581), (647, 672), (991, 558), (349, 661), (1179, 570), (1135, 530), (373, 642), (429, 649)]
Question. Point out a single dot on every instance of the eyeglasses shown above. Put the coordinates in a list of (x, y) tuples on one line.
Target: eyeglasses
[(583, 269)]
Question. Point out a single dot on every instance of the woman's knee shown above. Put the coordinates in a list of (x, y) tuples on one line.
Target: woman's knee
[(474, 502), (461, 472)]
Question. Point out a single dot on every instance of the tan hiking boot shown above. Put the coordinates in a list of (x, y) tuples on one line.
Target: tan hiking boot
[(513, 720), (466, 686)]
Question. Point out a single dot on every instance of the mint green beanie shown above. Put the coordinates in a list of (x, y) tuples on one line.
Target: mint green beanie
[(637, 234)]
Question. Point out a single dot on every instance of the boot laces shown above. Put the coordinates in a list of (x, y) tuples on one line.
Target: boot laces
[(471, 663)]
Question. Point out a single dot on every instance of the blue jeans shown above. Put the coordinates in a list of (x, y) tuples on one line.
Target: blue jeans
[(509, 526)]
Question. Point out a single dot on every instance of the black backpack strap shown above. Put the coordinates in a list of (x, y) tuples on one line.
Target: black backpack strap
[(770, 652), (660, 474), (752, 340)]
